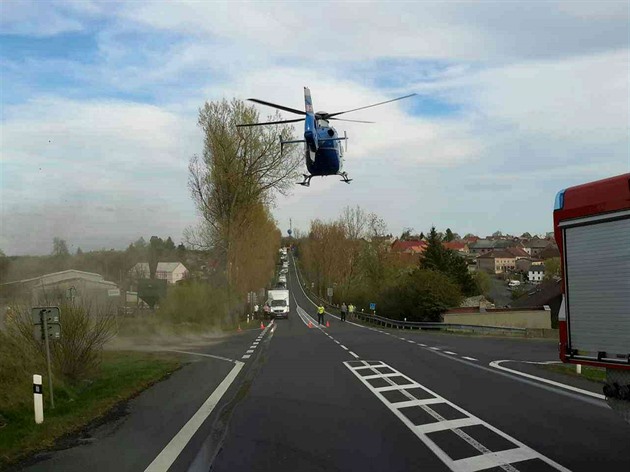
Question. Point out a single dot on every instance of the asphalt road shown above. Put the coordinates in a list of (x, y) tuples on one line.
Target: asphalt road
[(348, 397)]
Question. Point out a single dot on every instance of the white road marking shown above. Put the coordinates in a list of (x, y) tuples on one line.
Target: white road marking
[(423, 345), (410, 341), (469, 358), (204, 355), (344, 347), (487, 458), (353, 354), (246, 356), (450, 352), (337, 342), (435, 348), (249, 351), (496, 365), (172, 450)]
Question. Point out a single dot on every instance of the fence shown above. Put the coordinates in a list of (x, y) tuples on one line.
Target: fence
[(398, 324)]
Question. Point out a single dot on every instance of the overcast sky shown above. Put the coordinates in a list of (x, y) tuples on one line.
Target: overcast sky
[(516, 100)]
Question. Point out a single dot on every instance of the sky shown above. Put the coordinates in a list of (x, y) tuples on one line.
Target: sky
[(515, 101)]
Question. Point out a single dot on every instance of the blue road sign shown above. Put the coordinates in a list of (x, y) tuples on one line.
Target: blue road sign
[(372, 306)]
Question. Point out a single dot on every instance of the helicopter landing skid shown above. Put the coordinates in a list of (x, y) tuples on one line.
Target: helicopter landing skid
[(307, 180), (344, 178)]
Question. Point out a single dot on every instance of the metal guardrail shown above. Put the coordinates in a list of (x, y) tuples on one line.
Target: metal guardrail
[(388, 322)]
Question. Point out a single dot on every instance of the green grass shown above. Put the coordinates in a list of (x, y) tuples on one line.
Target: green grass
[(123, 374), (596, 374)]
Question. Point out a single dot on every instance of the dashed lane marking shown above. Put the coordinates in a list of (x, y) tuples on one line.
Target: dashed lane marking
[(246, 356), (250, 351), (343, 347), (450, 352), (469, 358), (353, 354), (435, 348), (421, 409)]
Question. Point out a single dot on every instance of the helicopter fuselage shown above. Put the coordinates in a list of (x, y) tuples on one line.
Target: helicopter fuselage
[(323, 150)]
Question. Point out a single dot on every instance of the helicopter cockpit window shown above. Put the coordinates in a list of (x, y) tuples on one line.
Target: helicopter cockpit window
[(321, 123)]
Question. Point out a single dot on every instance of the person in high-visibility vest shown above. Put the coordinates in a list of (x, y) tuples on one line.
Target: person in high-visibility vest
[(351, 310), (320, 314)]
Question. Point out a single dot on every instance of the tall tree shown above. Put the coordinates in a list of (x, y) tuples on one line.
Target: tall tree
[(437, 257), (449, 236), (354, 221), (169, 245), (60, 247)]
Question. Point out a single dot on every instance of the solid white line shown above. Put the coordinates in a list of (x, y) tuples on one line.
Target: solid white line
[(172, 450), (355, 356), (246, 356), (343, 347), (204, 355), (469, 358), (450, 352), (496, 365)]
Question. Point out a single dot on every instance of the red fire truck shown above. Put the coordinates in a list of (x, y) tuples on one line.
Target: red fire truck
[(592, 229)]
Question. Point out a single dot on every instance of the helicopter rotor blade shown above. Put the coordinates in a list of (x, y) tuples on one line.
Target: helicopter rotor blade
[(245, 125), (353, 121), (279, 107), (330, 115)]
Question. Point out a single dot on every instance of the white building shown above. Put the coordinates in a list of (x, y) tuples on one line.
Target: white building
[(536, 273), (172, 272)]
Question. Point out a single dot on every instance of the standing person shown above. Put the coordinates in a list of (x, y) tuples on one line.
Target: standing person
[(320, 314), (344, 310), (351, 310)]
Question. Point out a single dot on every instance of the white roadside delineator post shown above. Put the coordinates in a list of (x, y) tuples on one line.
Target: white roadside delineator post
[(38, 399), (578, 368)]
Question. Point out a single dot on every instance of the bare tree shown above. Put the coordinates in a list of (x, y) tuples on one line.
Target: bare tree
[(239, 168), (354, 221)]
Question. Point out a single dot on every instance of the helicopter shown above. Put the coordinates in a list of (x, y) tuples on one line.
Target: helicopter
[(323, 152)]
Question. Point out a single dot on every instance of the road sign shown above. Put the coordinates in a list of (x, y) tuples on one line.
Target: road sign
[(329, 292), (52, 314), (113, 292), (54, 331), (372, 306)]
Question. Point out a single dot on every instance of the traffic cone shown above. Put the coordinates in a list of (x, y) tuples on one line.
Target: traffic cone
[(262, 326), (327, 324), (310, 325)]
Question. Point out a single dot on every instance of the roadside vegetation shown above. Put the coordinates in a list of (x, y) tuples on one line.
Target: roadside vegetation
[(351, 255), (87, 381), (596, 374)]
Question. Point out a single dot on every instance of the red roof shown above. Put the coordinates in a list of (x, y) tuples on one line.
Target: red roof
[(455, 245), (409, 246), (517, 252)]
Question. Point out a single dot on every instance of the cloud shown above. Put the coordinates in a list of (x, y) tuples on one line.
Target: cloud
[(93, 172), (515, 102)]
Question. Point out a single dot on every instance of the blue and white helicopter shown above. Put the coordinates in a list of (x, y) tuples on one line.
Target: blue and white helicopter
[(322, 149)]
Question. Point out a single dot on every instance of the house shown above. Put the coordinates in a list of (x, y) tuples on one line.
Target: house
[(524, 263), (535, 246), (457, 246), (518, 252), (409, 247), (549, 252), (536, 273), (172, 272), (67, 285), (485, 246), (497, 261)]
